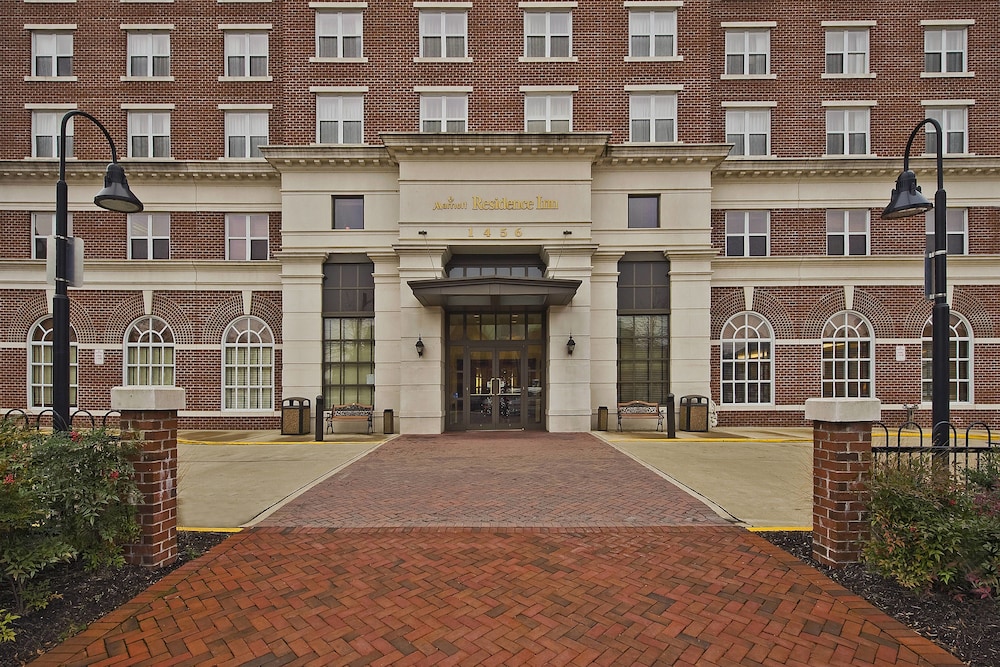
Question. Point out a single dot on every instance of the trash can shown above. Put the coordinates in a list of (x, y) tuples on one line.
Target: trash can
[(295, 416), (694, 413), (388, 422), (602, 418)]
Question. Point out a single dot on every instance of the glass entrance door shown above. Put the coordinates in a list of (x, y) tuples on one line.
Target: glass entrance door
[(496, 389)]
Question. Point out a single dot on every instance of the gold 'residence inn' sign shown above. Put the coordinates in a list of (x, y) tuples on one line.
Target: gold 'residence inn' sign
[(539, 203)]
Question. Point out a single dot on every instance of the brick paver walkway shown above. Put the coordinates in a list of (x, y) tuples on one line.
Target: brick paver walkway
[(570, 553)]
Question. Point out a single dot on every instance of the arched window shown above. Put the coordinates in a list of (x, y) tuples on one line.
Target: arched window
[(248, 366), (149, 352), (848, 356), (959, 361), (40, 366), (746, 367)]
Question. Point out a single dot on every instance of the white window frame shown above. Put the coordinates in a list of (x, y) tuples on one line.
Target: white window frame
[(653, 108), (149, 354), (651, 25), (743, 124), (151, 48), (538, 107), (248, 366), (45, 125), (245, 233), (746, 356), (855, 58), (343, 114), (148, 231), (954, 120), (40, 360), (748, 226), (246, 124), (149, 129), (448, 110), (960, 365), (748, 44), (847, 370), (52, 45), (547, 35), (847, 225), (246, 46), (936, 44), (45, 222), (847, 123), (443, 26), (332, 24), (957, 222)]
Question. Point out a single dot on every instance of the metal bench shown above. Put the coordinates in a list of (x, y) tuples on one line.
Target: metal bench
[(640, 409), (350, 412)]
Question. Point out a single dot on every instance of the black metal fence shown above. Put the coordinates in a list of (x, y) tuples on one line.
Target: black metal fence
[(910, 445)]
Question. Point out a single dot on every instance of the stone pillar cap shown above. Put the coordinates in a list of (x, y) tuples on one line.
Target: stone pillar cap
[(844, 410), (147, 398)]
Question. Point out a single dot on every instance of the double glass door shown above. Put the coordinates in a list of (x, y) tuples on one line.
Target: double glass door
[(495, 387)]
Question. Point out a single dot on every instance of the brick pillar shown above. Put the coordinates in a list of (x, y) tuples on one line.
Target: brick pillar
[(149, 415), (842, 452)]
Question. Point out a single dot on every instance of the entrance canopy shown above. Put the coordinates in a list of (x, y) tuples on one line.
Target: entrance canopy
[(494, 292)]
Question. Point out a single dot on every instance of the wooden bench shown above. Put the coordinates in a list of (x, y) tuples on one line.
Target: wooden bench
[(640, 409), (350, 412)]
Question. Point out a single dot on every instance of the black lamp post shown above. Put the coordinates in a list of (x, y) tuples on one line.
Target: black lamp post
[(907, 200), (114, 197)]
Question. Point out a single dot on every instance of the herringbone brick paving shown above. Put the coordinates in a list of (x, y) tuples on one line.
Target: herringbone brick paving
[(424, 591)]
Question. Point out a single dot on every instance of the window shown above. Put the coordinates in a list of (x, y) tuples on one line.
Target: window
[(348, 332), (847, 232), (246, 132), (45, 133), (338, 35), (847, 51), (748, 52), (643, 211), (847, 131), (148, 54), (746, 366), (643, 329), (444, 113), (40, 366), (945, 49), (959, 361), (246, 236), (149, 133), (149, 353), (653, 118), (954, 125), (340, 119), (958, 235), (548, 34), (749, 131), (348, 212), (848, 354), (443, 34), (246, 54), (652, 34), (748, 233), (248, 366), (149, 235), (43, 226), (548, 113), (52, 54)]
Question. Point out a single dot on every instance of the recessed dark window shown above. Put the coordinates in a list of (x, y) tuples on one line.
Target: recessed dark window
[(349, 212), (643, 211)]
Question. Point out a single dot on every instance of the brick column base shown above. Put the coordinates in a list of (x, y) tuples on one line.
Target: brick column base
[(842, 453)]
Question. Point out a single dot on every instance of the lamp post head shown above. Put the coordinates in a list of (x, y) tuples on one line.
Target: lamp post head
[(906, 198), (116, 195)]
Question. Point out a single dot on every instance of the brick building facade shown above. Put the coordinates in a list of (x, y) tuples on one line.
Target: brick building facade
[(690, 190)]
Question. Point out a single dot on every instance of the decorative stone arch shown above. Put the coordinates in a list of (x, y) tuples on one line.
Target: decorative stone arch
[(83, 324), (878, 315), (727, 302), (972, 309), (222, 316), (270, 313), (913, 324), (823, 310), (771, 309), (34, 308), (180, 323), (864, 304), (127, 312)]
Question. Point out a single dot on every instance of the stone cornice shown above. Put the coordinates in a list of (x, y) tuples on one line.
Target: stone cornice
[(667, 155), (881, 167), (584, 145), (312, 158), (139, 170)]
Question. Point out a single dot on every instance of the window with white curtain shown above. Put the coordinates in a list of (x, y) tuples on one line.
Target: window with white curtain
[(548, 113), (955, 126), (653, 117), (959, 360), (945, 49), (149, 133), (246, 132), (443, 34), (149, 235), (847, 51), (746, 364), (652, 34), (247, 236), (340, 119), (957, 225), (45, 133), (40, 366), (548, 34), (43, 226), (444, 113), (748, 233), (52, 53), (248, 365), (847, 231), (148, 54), (749, 131), (339, 34), (246, 54), (848, 356), (149, 352), (847, 131), (748, 52)]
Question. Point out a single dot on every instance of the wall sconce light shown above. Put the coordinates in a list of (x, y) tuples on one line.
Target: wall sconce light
[(420, 346), (570, 345)]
